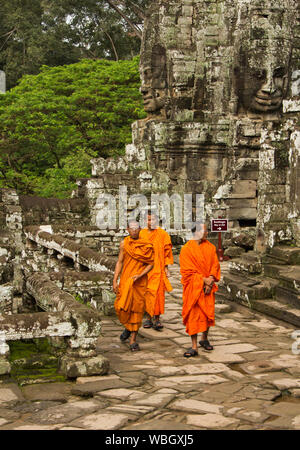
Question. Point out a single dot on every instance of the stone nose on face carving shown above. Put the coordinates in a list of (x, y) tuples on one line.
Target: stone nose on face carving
[(270, 87)]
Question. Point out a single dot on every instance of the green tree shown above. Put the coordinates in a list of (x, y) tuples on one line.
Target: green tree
[(57, 32), (53, 123)]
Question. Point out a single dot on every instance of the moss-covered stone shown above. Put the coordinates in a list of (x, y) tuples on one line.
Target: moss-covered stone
[(33, 360)]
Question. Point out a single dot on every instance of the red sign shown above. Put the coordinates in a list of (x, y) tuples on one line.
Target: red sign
[(220, 225)]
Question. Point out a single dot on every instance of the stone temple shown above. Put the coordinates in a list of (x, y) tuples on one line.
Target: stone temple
[(221, 87)]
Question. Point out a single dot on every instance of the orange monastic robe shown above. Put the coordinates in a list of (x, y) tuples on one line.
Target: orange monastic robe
[(130, 301), (158, 282), (198, 261)]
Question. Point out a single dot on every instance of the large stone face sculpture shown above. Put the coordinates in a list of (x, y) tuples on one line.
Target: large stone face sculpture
[(154, 81), (263, 61)]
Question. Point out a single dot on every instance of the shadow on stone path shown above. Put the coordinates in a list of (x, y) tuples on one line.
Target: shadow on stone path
[(251, 380)]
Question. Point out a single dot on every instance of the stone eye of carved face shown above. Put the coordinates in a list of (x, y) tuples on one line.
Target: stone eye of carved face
[(259, 74), (279, 72)]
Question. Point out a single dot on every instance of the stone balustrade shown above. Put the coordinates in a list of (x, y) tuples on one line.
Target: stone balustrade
[(80, 254)]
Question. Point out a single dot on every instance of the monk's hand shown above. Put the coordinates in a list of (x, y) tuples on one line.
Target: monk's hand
[(207, 289), (135, 277), (209, 281), (115, 287), (167, 272)]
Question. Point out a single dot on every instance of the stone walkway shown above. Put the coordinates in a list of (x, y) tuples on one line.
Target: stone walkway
[(251, 380)]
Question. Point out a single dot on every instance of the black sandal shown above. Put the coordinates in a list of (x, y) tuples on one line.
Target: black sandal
[(190, 352), (206, 345), (157, 325), (148, 324), (125, 335), (134, 347)]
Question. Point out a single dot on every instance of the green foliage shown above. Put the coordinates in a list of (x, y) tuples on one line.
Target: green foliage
[(53, 123), (56, 32)]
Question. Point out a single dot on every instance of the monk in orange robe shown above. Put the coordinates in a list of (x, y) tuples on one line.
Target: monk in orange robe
[(158, 282), (135, 260), (200, 269)]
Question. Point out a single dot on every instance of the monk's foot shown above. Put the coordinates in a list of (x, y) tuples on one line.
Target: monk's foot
[(206, 345), (135, 347), (190, 352), (148, 323), (157, 325), (125, 335)]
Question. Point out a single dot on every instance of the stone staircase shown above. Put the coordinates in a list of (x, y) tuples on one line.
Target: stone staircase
[(269, 284)]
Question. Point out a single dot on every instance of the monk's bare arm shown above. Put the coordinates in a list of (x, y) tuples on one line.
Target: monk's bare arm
[(145, 271), (119, 267)]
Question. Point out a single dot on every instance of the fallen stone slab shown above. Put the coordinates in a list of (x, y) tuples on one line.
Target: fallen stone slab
[(89, 389), (219, 356), (84, 380), (3, 421), (158, 400), (122, 394), (210, 421), (189, 380), (184, 341), (10, 393), (65, 413), (196, 406), (286, 360), (286, 383), (137, 410), (221, 308), (159, 424), (9, 415), (34, 426), (165, 361), (252, 416), (192, 369), (48, 391), (231, 324), (174, 326), (165, 333), (284, 423), (138, 356), (134, 379), (284, 409), (218, 341), (262, 324), (101, 421), (164, 371), (259, 366), (236, 348), (233, 374)]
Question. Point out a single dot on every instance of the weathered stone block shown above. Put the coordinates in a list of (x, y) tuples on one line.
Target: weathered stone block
[(72, 368)]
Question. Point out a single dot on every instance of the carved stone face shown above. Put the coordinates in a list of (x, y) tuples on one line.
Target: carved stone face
[(264, 58), (263, 88), (154, 80)]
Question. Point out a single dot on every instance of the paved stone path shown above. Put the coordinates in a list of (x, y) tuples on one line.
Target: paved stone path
[(251, 380)]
